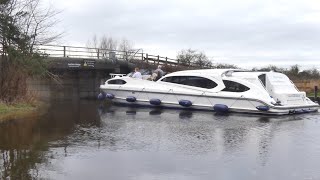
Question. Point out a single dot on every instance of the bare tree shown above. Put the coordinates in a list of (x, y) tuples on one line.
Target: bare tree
[(193, 57), (186, 57), (126, 47), (107, 44), (23, 25), (93, 45), (202, 60)]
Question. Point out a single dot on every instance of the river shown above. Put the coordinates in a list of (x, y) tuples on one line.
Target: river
[(84, 139)]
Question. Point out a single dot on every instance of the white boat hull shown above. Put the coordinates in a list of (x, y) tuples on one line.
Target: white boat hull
[(239, 104), (218, 90)]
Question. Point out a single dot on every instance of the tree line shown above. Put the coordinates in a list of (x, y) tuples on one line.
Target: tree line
[(199, 59), (294, 72)]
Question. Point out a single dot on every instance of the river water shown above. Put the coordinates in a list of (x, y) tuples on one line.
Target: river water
[(87, 140)]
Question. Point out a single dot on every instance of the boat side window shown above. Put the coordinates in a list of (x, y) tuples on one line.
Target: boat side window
[(232, 86), (117, 81), (191, 81), (262, 78), (167, 79)]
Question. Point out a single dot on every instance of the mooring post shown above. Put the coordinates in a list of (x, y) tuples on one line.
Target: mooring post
[(316, 93), (166, 60)]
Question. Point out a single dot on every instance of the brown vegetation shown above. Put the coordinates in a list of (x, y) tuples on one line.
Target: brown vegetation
[(23, 25)]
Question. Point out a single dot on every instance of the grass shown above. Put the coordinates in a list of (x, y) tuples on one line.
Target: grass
[(16, 110), (311, 94)]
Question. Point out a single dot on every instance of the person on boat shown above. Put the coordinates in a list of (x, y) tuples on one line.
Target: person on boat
[(157, 74), (137, 73)]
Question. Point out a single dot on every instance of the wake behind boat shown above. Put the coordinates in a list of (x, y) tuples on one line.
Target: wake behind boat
[(220, 90)]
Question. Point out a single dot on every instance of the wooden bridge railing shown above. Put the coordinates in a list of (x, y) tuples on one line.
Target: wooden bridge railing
[(97, 53)]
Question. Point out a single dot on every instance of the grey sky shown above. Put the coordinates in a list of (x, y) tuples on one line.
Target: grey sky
[(246, 32)]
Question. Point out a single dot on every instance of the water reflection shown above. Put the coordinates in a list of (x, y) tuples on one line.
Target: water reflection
[(29, 147), (25, 142), (155, 112), (183, 114)]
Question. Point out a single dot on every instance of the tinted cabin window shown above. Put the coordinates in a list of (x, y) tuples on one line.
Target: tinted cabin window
[(191, 81), (232, 86), (262, 78), (117, 81)]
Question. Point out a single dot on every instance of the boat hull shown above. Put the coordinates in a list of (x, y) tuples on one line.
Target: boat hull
[(239, 104)]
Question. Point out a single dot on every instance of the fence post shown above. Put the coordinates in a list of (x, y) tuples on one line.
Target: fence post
[(142, 56), (147, 58), (316, 93), (166, 60), (64, 51), (98, 53), (126, 54), (158, 59)]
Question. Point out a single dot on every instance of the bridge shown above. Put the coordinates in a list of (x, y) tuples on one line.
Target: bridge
[(81, 69), (97, 58)]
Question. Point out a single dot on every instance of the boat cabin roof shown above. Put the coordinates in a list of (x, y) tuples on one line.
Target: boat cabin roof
[(219, 73)]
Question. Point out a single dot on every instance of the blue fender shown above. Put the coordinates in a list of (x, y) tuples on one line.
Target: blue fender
[(101, 96), (185, 103), (263, 108), (221, 108), (131, 99), (156, 102), (109, 96)]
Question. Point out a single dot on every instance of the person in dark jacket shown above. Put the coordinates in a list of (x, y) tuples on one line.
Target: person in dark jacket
[(158, 73)]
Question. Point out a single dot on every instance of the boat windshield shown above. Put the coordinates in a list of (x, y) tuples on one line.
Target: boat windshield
[(262, 78), (117, 81)]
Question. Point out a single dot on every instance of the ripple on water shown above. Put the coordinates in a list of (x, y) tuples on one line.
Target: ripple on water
[(84, 140)]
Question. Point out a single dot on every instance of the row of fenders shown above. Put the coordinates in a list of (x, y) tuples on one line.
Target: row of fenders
[(185, 103)]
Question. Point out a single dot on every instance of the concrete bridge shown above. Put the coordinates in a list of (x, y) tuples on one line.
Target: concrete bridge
[(81, 70)]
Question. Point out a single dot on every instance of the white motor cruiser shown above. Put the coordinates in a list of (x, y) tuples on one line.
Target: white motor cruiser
[(220, 90)]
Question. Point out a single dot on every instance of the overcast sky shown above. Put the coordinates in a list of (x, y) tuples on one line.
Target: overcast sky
[(242, 32)]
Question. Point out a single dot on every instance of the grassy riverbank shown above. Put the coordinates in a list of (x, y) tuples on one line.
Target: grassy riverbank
[(18, 110), (312, 94)]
